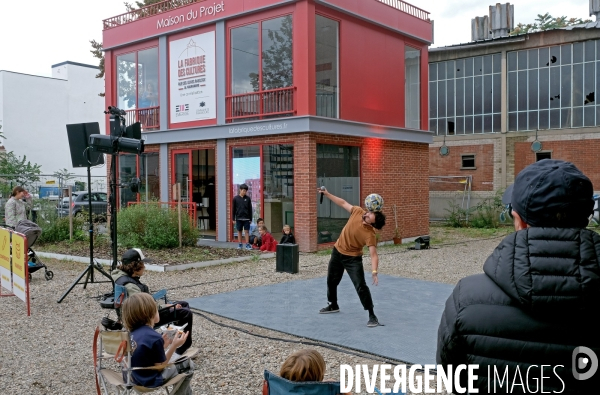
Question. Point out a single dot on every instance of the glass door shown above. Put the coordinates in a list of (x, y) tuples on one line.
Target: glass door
[(182, 171), (127, 171), (246, 169)]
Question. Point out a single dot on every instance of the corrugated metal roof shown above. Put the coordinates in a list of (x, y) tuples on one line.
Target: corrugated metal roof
[(517, 37)]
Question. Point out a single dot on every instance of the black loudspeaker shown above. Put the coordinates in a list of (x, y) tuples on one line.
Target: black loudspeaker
[(288, 258), (79, 137)]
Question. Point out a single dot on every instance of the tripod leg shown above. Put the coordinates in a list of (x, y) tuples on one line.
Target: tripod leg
[(86, 271)]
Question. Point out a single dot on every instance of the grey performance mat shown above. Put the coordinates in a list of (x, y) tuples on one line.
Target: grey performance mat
[(410, 311)]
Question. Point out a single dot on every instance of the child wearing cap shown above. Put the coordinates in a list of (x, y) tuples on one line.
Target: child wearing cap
[(128, 275), (241, 210)]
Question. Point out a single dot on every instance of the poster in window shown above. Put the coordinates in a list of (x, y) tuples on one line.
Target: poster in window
[(192, 78)]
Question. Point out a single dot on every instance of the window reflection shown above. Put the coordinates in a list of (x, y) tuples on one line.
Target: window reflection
[(338, 171)]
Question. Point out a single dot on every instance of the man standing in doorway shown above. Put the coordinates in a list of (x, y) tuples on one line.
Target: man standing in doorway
[(241, 210), (347, 255)]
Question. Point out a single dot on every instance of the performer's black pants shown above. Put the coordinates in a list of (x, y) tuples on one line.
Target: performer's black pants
[(354, 266), (178, 317)]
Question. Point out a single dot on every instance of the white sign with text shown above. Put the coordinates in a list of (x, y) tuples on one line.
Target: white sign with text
[(192, 78)]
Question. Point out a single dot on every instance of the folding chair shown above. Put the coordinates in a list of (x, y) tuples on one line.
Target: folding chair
[(116, 346), (115, 301), (275, 385)]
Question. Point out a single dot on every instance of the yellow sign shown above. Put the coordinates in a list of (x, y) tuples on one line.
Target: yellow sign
[(19, 255), (50, 182), (5, 249)]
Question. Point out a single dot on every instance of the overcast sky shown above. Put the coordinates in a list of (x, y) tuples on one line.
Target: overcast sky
[(36, 34)]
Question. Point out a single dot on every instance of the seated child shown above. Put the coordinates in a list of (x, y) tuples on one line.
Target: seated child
[(268, 242), (288, 237), (304, 365), (255, 240), (139, 316)]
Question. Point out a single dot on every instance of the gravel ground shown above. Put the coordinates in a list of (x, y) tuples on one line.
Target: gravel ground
[(51, 351)]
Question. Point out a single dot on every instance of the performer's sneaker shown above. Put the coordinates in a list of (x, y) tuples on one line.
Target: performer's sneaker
[(372, 321), (240, 246), (329, 309)]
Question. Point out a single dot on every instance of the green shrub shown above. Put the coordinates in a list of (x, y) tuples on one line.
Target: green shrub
[(487, 213), (58, 230), (151, 226), (457, 216)]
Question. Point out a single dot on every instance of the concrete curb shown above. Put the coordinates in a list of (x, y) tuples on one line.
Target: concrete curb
[(153, 267)]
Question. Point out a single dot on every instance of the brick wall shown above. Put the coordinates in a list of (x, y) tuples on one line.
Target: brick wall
[(585, 154), (450, 165), (392, 169)]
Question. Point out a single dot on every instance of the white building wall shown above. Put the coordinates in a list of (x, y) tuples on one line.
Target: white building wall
[(35, 111)]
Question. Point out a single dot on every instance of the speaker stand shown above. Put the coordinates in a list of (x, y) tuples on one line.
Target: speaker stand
[(89, 271)]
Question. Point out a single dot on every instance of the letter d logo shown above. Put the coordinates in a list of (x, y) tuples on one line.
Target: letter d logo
[(588, 362)]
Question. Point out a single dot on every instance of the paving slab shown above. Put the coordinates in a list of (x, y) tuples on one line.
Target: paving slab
[(410, 311)]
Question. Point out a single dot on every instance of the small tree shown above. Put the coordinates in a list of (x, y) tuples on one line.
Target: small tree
[(97, 46), (547, 22)]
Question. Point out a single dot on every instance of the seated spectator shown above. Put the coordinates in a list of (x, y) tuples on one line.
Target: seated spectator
[(129, 273), (304, 365), (288, 237), (268, 242), (140, 315), (255, 240), (537, 299)]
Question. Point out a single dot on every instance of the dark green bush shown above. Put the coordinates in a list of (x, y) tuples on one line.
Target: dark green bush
[(58, 230), (151, 226)]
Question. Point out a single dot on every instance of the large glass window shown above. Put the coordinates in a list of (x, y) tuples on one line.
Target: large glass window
[(274, 52), (327, 61), (338, 171), (554, 87), (464, 95), (261, 69), (137, 87), (412, 84), (137, 79), (278, 185)]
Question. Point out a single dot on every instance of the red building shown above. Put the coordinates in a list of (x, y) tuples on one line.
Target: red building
[(288, 94)]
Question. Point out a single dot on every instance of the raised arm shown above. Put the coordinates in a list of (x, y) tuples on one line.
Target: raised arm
[(339, 201)]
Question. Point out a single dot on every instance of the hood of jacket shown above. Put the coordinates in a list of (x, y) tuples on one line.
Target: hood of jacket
[(549, 271), (115, 274)]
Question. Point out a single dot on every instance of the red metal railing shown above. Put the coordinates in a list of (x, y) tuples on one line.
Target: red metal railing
[(407, 8), (145, 12), (189, 207), (148, 117), (262, 104)]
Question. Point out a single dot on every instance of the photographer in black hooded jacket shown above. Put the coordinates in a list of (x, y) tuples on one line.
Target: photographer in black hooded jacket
[(539, 296)]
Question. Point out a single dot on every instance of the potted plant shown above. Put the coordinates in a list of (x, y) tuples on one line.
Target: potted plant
[(397, 239)]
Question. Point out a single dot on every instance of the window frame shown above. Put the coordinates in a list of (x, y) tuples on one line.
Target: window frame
[(462, 161)]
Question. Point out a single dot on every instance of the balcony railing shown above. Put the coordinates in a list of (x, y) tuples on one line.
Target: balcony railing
[(407, 8), (263, 104), (148, 117), (145, 12)]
